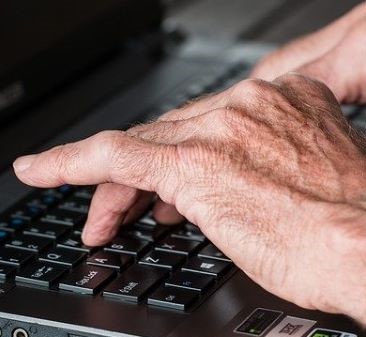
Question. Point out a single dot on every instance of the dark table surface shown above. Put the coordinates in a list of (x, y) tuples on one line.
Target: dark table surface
[(275, 21)]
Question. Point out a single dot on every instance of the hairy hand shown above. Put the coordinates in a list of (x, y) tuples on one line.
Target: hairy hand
[(335, 55), (270, 171)]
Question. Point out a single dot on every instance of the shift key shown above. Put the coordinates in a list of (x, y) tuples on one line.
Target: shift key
[(134, 283)]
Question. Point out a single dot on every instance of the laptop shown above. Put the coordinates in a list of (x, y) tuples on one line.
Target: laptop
[(69, 69)]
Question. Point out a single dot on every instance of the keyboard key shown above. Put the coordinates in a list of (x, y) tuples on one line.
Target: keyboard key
[(173, 298), (65, 190), (85, 192), (178, 246), (189, 232), (64, 217), (12, 224), (73, 241), (7, 270), (75, 204), (4, 235), (67, 257), (148, 220), (213, 267), (110, 260), (52, 231), (14, 256), (28, 213), (87, 279), (135, 283), (211, 252), (128, 246), (145, 232), (41, 274), (41, 201), (31, 243), (162, 260), (52, 192), (190, 281)]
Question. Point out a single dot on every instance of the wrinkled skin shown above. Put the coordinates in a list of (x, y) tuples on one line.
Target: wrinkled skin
[(270, 171)]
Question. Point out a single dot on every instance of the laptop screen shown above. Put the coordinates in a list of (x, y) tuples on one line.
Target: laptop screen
[(48, 46), (43, 42)]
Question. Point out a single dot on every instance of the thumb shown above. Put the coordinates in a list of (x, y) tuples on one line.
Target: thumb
[(343, 68)]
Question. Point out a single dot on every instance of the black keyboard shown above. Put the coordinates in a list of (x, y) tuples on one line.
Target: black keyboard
[(174, 267), (148, 263)]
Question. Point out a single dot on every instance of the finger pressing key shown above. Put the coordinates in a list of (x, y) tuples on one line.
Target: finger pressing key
[(109, 156)]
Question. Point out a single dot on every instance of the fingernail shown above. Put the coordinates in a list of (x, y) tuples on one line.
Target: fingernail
[(23, 163)]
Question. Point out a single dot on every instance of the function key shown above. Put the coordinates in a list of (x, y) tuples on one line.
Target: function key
[(75, 204), (64, 217), (12, 224), (162, 260), (29, 242), (190, 281), (135, 283), (7, 270), (14, 256), (67, 257), (40, 274), (52, 231), (178, 246), (211, 252), (87, 279), (128, 246), (173, 298), (110, 260), (213, 267), (73, 241)]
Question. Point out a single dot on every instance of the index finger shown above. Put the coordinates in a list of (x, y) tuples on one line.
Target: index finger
[(109, 156)]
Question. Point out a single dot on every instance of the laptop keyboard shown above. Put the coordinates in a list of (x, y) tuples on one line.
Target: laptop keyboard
[(174, 267), (148, 263)]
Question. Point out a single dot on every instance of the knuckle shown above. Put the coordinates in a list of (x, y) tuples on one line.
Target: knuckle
[(110, 143), (302, 83), (227, 120), (66, 161), (252, 90), (221, 116), (292, 78)]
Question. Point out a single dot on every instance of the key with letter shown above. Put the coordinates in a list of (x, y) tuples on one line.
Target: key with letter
[(64, 256)]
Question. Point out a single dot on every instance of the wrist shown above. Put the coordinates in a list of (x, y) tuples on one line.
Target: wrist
[(348, 241)]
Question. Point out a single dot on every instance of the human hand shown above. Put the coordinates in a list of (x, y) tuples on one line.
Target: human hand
[(270, 171), (334, 55)]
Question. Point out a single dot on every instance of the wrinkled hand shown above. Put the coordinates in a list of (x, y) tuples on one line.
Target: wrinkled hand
[(270, 171), (334, 55)]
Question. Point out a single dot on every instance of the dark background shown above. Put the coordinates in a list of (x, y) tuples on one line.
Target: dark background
[(274, 21)]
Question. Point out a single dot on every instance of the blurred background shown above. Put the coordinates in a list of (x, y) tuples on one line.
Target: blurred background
[(274, 21)]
